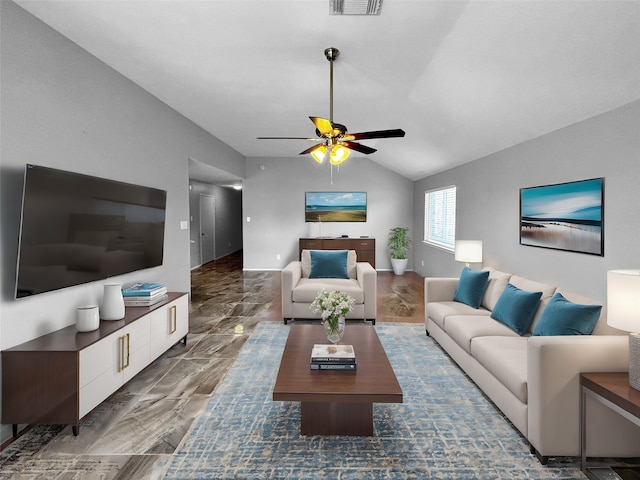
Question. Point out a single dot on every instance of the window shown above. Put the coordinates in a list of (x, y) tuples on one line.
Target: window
[(440, 217)]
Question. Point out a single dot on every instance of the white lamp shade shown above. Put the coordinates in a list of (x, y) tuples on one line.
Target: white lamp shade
[(468, 251), (623, 299)]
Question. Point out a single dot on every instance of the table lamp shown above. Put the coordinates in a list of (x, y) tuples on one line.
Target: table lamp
[(623, 312), (468, 251)]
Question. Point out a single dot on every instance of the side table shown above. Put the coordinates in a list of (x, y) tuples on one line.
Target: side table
[(612, 390)]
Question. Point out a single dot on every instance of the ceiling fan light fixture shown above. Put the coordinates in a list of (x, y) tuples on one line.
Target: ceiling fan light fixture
[(338, 154), (319, 153)]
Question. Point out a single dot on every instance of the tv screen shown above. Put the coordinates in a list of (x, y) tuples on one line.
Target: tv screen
[(335, 207), (77, 228)]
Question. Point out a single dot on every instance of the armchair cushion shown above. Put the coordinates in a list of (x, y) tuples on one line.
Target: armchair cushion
[(307, 288), (329, 264), (305, 260)]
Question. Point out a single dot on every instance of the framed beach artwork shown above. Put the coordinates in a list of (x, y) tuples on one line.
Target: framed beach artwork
[(335, 207), (565, 216)]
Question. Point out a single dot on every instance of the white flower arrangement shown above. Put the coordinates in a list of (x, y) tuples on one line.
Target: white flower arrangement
[(332, 305)]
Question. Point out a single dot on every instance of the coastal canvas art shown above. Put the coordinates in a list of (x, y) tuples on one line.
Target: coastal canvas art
[(335, 207), (565, 216)]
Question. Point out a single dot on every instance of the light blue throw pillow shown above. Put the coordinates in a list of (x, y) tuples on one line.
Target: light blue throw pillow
[(471, 287), (516, 308), (562, 317), (329, 264)]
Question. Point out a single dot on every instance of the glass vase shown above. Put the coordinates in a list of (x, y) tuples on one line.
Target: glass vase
[(334, 328)]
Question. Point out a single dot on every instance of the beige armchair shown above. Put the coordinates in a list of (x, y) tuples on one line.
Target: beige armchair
[(299, 291)]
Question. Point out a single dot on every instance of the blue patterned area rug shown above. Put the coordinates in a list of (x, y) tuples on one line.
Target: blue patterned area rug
[(445, 429)]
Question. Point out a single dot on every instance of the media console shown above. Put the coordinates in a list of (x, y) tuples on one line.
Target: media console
[(60, 377), (365, 247)]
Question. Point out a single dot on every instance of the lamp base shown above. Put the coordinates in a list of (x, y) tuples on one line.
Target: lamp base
[(634, 360)]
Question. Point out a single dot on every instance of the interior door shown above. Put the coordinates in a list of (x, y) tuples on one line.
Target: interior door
[(207, 228)]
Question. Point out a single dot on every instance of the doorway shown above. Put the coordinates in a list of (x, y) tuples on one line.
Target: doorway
[(207, 228)]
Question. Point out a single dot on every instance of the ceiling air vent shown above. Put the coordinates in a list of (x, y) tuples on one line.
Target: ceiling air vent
[(355, 7)]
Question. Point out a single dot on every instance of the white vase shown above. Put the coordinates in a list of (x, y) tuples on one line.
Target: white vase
[(112, 307), (88, 318)]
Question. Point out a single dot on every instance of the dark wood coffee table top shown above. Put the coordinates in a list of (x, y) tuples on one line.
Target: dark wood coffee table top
[(372, 382)]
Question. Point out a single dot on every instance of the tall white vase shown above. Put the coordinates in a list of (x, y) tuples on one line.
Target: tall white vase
[(112, 307)]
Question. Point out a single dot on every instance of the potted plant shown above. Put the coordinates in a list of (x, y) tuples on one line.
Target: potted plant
[(399, 242)]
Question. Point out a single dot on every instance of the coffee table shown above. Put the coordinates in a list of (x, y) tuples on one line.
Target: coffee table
[(336, 402)]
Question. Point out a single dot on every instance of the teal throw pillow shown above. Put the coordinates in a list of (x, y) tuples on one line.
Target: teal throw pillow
[(471, 287), (329, 264), (562, 317), (516, 308)]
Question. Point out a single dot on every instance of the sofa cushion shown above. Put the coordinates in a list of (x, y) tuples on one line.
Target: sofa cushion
[(463, 329), (439, 311), (495, 286), (471, 287), (531, 286), (506, 359), (307, 288), (516, 308), (562, 317), (305, 260), (328, 264)]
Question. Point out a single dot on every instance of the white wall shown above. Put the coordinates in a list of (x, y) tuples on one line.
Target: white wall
[(273, 198), (63, 108), (488, 193)]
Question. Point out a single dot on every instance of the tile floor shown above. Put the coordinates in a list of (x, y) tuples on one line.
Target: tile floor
[(134, 433)]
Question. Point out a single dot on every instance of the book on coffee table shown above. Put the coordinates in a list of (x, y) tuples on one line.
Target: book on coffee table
[(333, 354), (333, 366)]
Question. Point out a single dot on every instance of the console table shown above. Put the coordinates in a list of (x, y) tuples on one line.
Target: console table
[(612, 390), (365, 247), (60, 377)]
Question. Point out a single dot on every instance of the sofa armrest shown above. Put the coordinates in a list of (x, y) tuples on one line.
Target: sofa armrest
[(290, 277), (439, 289), (368, 279), (554, 364)]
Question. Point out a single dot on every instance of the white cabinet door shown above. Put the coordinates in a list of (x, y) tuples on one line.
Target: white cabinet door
[(108, 364), (100, 374), (169, 325), (137, 345)]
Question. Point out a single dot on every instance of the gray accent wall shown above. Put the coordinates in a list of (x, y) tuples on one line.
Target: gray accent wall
[(63, 108), (273, 199), (488, 195)]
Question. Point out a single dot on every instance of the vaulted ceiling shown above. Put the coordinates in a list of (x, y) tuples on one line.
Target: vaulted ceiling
[(464, 79)]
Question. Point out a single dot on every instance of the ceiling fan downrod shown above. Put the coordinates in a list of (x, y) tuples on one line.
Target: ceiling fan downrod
[(331, 53)]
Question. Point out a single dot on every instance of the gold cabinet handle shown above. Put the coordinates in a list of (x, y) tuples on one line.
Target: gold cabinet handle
[(124, 346), (121, 351), (173, 322), (128, 350)]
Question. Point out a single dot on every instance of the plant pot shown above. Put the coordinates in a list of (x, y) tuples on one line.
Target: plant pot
[(399, 265)]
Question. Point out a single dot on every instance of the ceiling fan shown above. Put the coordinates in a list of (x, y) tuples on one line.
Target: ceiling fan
[(333, 141)]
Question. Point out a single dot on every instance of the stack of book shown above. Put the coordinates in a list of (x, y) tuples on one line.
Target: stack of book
[(333, 357), (144, 294)]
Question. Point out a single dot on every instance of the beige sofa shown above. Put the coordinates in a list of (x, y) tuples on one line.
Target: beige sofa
[(299, 291), (534, 380)]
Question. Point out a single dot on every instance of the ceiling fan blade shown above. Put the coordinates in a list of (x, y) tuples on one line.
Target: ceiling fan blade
[(311, 149), (358, 147), (375, 134), (290, 138), (323, 125)]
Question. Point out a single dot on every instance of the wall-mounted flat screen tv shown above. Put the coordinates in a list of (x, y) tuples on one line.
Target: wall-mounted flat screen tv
[(335, 207), (77, 228)]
